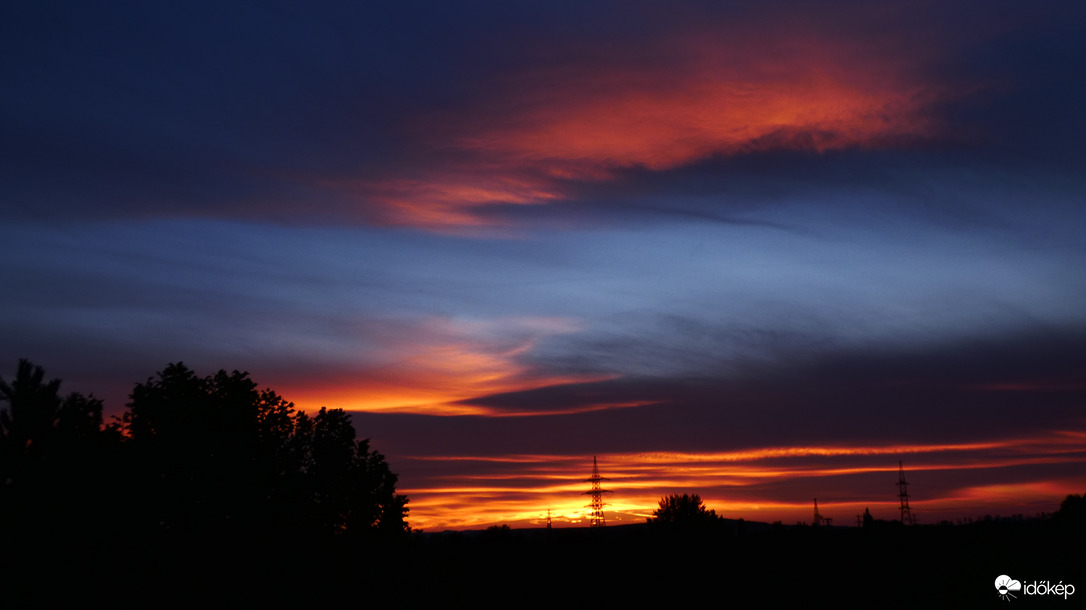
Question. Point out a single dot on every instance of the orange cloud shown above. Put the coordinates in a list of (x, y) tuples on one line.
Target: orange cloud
[(678, 99), (443, 198), (662, 120), (437, 363)]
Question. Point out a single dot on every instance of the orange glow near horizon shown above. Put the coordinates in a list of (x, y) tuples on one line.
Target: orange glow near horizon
[(768, 484), (437, 367), (681, 99)]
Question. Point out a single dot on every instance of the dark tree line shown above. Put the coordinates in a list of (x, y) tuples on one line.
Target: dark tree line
[(191, 457)]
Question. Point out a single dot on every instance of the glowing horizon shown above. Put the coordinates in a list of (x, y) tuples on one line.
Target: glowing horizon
[(755, 251), (738, 488)]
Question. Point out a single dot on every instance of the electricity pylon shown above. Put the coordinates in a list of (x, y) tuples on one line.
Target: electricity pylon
[(597, 495)]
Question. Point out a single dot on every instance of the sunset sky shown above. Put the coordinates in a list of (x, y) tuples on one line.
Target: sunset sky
[(758, 251)]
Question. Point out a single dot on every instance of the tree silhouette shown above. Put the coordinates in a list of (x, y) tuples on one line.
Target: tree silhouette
[(1072, 513), (217, 454), (51, 452), (684, 510), (34, 407)]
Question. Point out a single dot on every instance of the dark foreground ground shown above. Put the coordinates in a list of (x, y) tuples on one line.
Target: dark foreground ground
[(734, 565)]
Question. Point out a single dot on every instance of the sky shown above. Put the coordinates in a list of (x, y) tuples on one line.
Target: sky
[(758, 251)]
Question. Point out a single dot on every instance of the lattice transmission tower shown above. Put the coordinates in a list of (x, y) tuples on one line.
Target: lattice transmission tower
[(907, 517), (597, 495), (818, 518)]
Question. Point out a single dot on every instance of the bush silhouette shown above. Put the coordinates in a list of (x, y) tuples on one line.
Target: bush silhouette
[(683, 510)]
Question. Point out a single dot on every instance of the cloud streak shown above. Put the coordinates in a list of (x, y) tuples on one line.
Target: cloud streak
[(588, 112), (760, 484), (705, 232)]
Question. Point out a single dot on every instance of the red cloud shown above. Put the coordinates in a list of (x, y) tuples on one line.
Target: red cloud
[(677, 100)]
